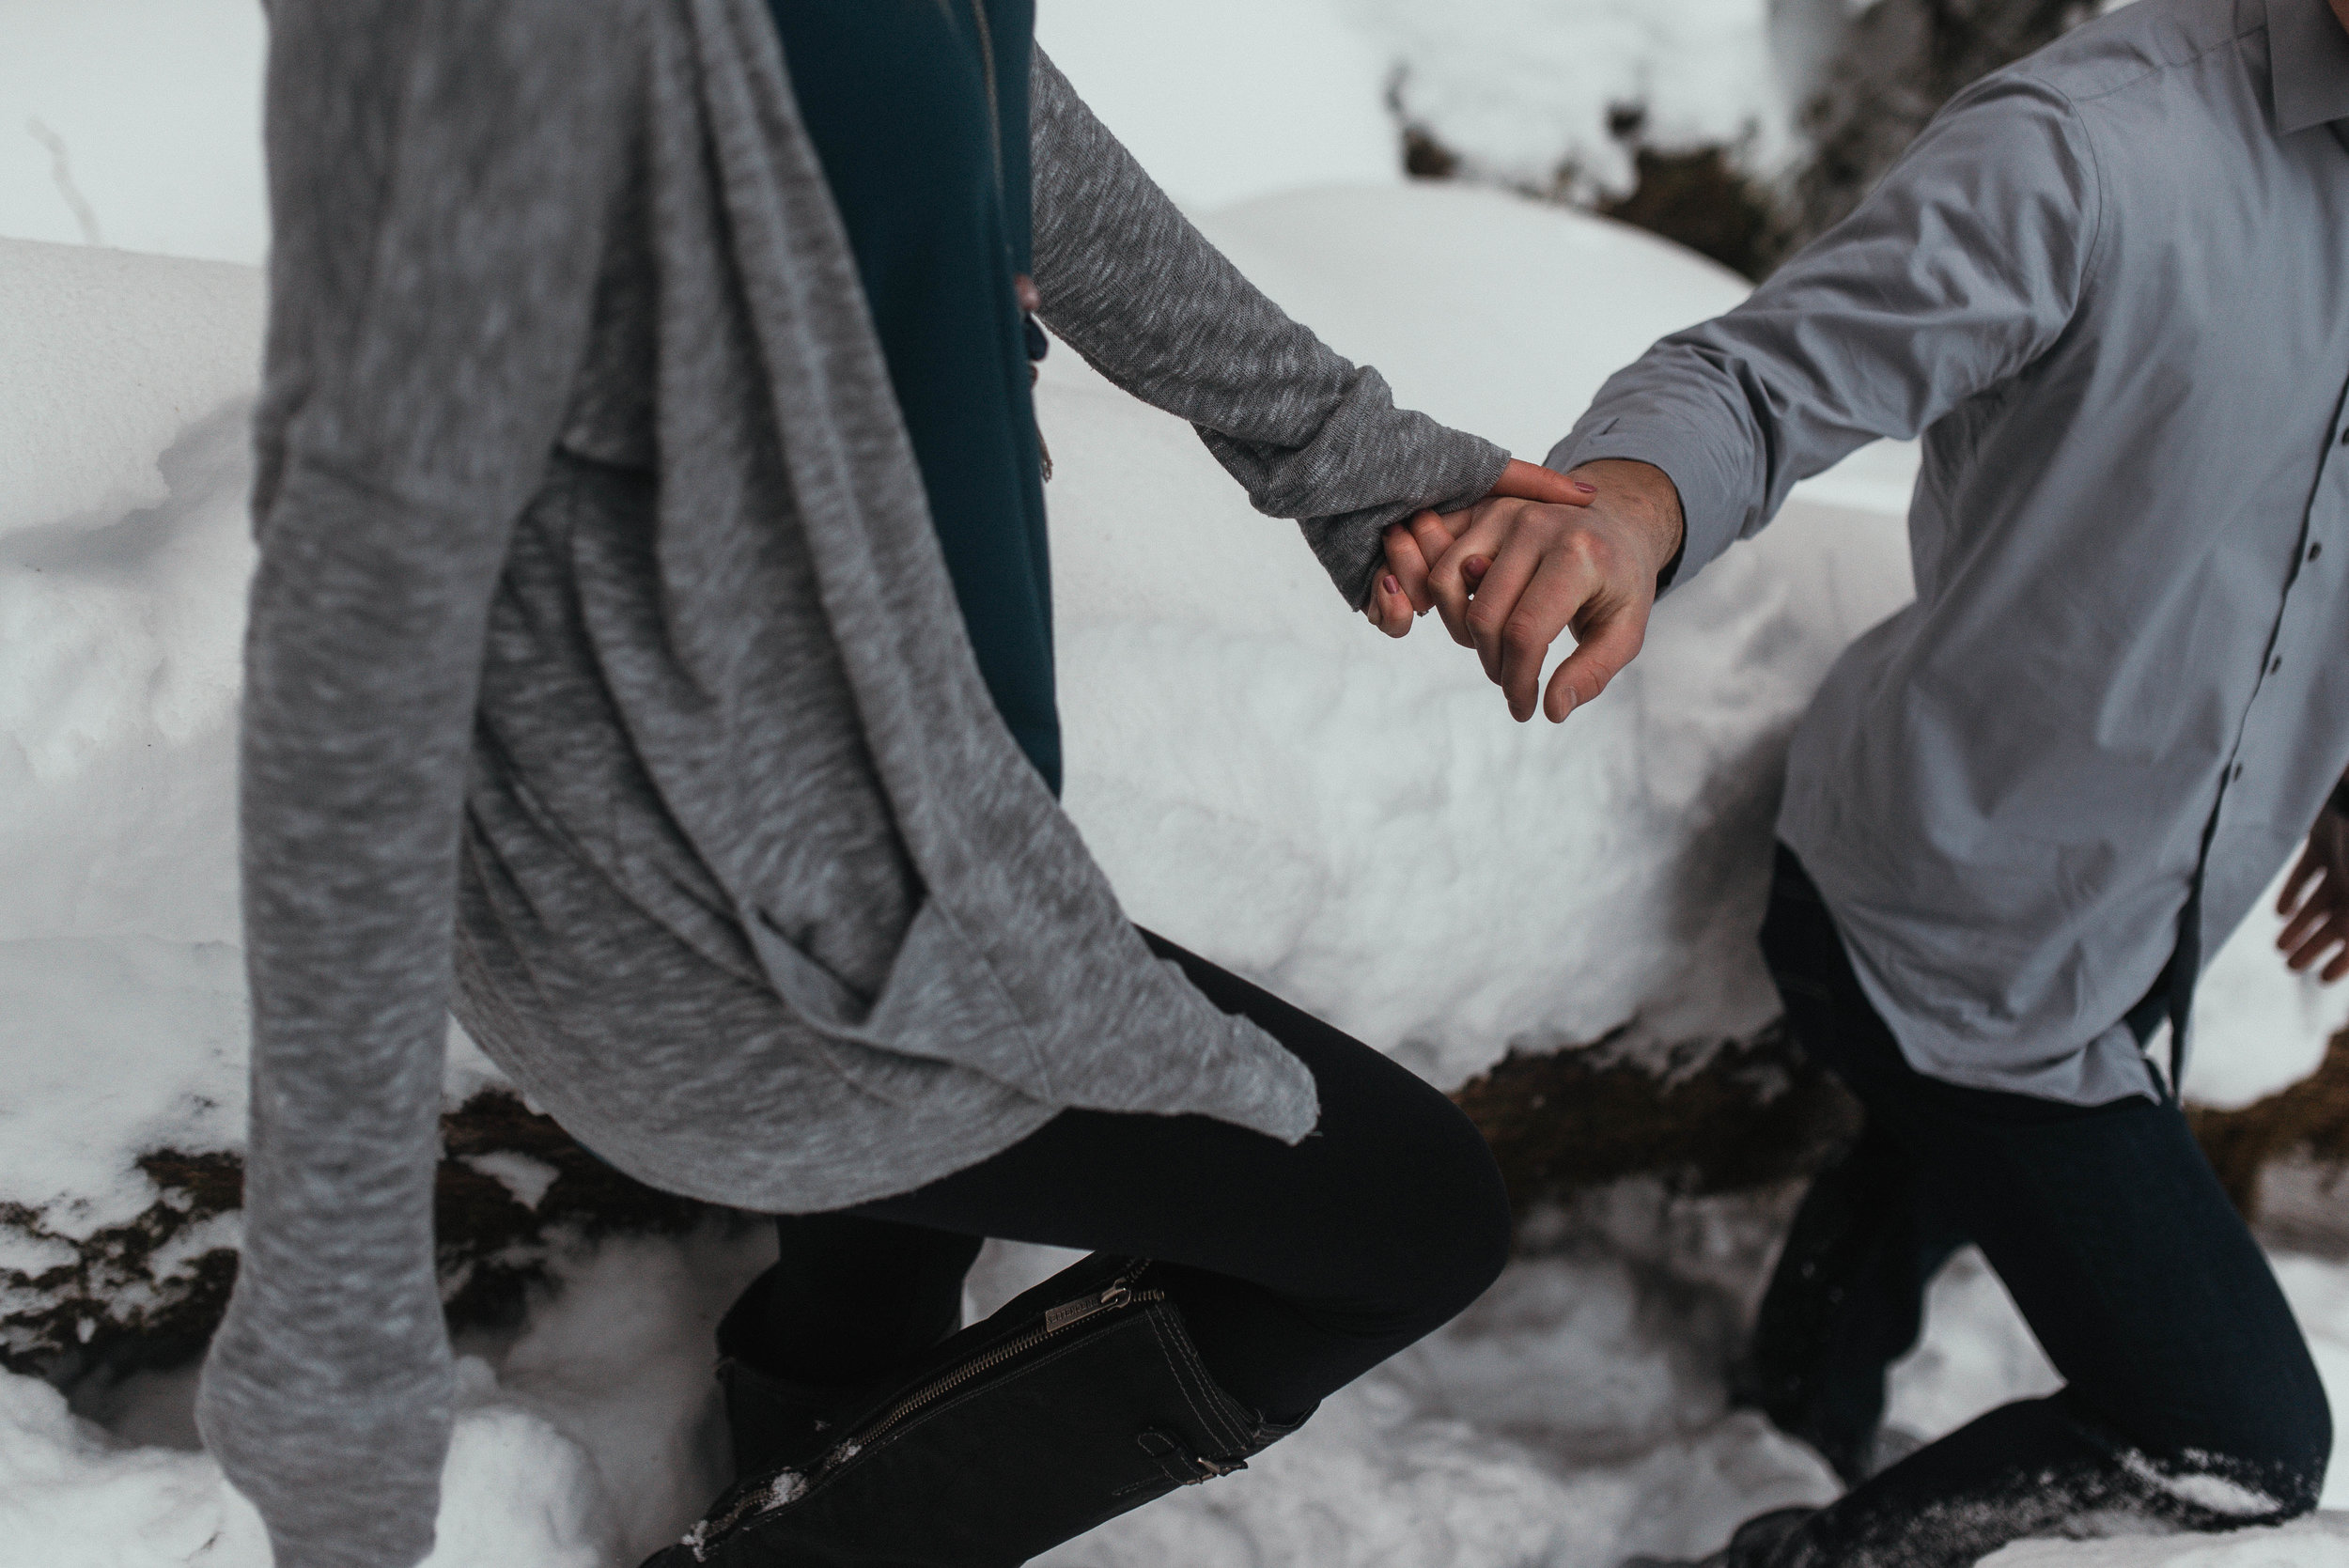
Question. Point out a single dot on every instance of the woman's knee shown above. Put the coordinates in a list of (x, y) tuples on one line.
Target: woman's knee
[(1460, 1232)]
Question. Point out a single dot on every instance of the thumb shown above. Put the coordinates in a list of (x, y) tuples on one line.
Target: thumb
[(1523, 481)]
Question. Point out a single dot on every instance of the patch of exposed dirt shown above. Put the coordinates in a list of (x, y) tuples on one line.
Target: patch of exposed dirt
[(1735, 1117), (2305, 1126), (151, 1292)]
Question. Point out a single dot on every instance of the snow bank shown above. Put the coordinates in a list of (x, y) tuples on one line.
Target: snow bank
[(125, 390), (1527, 89), (1225, 100)]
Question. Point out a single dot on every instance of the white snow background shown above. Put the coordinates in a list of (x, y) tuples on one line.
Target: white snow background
[(1352, 821)]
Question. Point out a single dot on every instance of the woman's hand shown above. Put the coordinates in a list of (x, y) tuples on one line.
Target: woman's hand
[(1523, 572), (2316, 897), (1401, 592)]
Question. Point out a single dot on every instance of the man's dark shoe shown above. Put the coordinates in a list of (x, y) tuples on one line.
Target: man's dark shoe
[(1752, 1546)]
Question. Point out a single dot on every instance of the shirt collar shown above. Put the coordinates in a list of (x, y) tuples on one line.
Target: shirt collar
[(2308, 52)]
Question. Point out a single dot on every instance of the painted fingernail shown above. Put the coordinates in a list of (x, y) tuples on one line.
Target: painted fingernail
[(1586, 486), (1393, 587)]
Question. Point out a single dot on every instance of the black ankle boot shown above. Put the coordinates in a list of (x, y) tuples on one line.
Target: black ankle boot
[(779, 1422), (776, 1424), (1080, 1401)]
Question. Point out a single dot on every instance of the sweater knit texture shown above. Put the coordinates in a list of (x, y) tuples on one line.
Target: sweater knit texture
[(602, 655)]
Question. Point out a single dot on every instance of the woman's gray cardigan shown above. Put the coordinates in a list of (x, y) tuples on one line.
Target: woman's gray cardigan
[(597, 594)]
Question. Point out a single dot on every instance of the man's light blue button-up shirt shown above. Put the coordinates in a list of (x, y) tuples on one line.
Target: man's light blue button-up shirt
[(2111, 287)]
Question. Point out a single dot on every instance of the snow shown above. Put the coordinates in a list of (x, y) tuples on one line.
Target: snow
[(136, 123), (1525, 89), (2319, 1543), (1573, 1417), (1351, 820), (143, 113), (1225, 100), (526, 1178), (2257, 1026)]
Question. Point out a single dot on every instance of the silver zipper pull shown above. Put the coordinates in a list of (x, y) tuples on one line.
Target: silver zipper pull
[(1069, 1314)]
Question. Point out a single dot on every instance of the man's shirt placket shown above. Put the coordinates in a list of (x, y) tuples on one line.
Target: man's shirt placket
[(2259, 778)]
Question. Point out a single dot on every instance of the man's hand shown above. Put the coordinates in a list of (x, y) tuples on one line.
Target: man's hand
[(1400, 592), (1520, 572), (2316, 897)]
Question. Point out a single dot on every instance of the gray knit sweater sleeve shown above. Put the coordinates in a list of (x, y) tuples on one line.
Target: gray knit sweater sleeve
[(434, 168), (1134, 288)]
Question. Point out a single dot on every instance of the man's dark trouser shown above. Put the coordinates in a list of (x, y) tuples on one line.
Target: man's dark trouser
[(1297, 1268), (2189, 1399)]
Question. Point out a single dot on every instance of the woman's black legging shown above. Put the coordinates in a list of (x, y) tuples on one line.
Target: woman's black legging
[(1297, 1268)]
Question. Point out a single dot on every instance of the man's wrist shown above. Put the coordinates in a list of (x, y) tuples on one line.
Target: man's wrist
[(1649, 498)]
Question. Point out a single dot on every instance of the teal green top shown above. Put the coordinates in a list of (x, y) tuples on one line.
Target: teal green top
[(918, 110)]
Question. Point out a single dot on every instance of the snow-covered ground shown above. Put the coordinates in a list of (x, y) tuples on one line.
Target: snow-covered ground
[(1266, 779), (1573, 1415)]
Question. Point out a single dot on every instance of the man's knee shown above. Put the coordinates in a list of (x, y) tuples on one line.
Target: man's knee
[(2261, 1460), (2300, 1446)]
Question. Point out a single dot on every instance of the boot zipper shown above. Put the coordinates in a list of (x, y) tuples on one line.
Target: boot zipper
[(789, 1486), (1120, 1293)]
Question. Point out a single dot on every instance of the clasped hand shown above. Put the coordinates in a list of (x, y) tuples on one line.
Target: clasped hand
[(1544, 554)]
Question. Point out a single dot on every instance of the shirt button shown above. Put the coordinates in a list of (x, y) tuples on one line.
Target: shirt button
[(2275, 664), (2237, 774), (2316, 549)]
